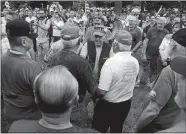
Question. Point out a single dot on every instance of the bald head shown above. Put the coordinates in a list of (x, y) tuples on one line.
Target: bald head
[(55, 90)]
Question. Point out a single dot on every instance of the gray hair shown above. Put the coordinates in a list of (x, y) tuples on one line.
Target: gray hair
[(55, 90)]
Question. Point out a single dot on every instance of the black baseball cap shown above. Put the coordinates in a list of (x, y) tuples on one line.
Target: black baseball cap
[(178, 64), (19, 27), (180, 37)]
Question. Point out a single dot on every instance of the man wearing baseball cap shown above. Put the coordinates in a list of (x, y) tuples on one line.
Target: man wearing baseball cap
[(78, 66), (18, 73), (162, 111), (96, 51), (116, 84), (69, 33)]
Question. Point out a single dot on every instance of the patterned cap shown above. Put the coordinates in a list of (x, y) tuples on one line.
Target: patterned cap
[(70, 31), (123, 37)]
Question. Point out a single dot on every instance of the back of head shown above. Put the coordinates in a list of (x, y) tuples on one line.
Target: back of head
[(55, 90), (124, 40), (11, 15), (70, 35)]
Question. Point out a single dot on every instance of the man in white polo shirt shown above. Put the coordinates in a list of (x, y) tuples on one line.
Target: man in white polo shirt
[(116, 84)]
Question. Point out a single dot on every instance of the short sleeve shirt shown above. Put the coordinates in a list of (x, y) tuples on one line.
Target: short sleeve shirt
[(155, 37), (136, 35), (118, 76), (18, 72)]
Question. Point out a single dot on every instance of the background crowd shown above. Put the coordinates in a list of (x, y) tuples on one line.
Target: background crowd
[(84, 50)]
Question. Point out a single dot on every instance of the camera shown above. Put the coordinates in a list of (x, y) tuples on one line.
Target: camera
[(32, 21)]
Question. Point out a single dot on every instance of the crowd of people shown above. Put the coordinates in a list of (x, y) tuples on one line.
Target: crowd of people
[(96, 57)]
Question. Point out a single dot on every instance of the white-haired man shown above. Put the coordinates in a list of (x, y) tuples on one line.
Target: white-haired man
[(56, 92), (78, 66), (116, 84), (151, 45), (162, 111)]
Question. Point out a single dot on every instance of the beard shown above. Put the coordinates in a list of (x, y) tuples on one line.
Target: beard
[(98, 43)]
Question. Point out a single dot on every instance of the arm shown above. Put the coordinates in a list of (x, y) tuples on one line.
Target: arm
[(145, 47), (59, 26), (139, 40), (161, 50), (88, 78), (137, 46), (84, 51), (149, 114), (44, 27), (104, 81), (163, 88)]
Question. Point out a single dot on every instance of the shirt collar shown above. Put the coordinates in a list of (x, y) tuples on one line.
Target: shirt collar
[(125, 53), (15, 52)]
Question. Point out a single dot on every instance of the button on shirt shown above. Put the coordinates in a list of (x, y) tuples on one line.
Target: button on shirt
[(118, 77)]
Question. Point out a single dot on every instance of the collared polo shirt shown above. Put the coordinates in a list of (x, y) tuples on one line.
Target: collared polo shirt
[(118, 76)]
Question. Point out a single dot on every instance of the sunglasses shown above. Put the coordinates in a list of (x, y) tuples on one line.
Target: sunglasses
[(97, 36)]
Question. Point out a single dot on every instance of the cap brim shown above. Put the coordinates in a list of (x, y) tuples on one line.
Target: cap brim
[(99, 34), (33, 35), (178, 65)]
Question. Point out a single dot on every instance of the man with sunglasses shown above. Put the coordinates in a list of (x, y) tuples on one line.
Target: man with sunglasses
[(97, 51), (97, 21)]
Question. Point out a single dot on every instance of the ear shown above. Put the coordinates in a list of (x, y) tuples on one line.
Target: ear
[(23, 41), (35, 98), (76, 101)]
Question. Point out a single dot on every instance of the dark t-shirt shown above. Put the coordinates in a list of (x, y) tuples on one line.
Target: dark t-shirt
[(168, 27), (18, 74), (33, 126), (146, 29), (155, 37), (136, 35), (79, 67)]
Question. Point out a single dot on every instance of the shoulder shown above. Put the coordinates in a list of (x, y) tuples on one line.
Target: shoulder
[(168, 74), (23, 126), (57, 45), (32, 64), (165, 31), (168, 36), (152, 29)]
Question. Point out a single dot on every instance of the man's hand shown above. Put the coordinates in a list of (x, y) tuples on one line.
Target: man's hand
[(164, 63), (35, 24), (95, 98)]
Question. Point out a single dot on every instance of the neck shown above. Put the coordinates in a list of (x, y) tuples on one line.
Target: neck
[(74, 49), (56, 121), (117, 51), (19, 49)]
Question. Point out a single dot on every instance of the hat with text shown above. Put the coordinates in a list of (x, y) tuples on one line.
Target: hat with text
[(99, 30), (70, 31)]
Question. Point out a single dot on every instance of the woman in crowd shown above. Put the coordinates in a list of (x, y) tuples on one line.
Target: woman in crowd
[(57, 25)]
